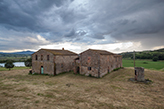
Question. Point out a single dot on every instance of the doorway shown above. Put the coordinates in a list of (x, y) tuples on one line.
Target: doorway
[(108, 69), (77, 70), (42, 70), (54, 69)]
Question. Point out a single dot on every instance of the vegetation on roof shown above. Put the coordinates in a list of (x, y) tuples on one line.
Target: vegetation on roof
[(60, 52), (102, 52)]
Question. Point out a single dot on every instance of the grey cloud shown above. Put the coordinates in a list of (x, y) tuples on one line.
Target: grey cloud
[(84, 22), (98, 36), (82, 33), (26, 14), (71, 33), (67, 16), (49, 3), (143, 15)]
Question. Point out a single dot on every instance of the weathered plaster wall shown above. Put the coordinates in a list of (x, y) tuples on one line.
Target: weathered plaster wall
[(118, 61), (47, 65), (100, 64), (109, 63), (89, 59), (86, 72), (64, 63), (106, 64)]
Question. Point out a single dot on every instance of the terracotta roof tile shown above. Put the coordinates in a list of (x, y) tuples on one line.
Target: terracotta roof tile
[(102, 52), (60, 52)]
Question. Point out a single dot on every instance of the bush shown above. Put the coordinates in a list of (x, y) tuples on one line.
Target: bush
[(28, 62), (117, 69), (145, 62), (30, 72), (9, 64), (90, 75), (155, 59)]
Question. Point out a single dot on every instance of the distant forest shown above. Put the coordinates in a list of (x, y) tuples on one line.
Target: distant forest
[(13, 57), (154, 55)]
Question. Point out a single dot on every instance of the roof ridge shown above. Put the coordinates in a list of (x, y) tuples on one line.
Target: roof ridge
[(60, 52), (101, 52), (49, 49)]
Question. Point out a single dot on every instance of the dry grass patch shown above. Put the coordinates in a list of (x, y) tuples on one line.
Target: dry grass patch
[(20, 90)]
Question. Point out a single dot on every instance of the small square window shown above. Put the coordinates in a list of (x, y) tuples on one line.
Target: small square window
[(62, 65), (48, 57), (41, 57), (89, 68), (36, 57)]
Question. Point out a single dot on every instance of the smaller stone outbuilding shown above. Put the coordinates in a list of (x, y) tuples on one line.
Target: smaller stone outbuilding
[(97, 63), (53, 61), (139, 74)]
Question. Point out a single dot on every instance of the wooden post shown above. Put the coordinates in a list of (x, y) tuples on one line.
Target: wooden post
[(134, 58), (98, 66)]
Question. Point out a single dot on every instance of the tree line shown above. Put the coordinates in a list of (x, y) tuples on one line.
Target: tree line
[(14, 57), (154, 55)]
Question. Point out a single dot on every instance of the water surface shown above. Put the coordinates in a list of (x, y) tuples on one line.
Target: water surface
[(17, 64)]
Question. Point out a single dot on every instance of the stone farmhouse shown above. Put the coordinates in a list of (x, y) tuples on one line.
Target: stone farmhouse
[(96, 63), (52, 62)]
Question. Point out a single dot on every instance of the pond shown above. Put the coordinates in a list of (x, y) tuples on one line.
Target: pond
[(17, 64)]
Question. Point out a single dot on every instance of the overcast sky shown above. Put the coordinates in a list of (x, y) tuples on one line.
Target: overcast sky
[(113, 25)]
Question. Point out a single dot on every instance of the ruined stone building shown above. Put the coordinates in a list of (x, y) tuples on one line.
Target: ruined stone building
[(52, 62), (96, 63)]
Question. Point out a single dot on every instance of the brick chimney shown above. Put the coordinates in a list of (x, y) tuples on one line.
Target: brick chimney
[(62, 48)]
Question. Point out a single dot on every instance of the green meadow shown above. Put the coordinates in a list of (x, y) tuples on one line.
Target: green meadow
[(15, 68), (148, 64)]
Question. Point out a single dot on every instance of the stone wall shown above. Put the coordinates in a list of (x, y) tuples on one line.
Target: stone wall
[(118, 61), (76, 68), (64, 63), (139, 73), (89, 64), (86, 72), (108, 63), (101, 64), (48, 65)]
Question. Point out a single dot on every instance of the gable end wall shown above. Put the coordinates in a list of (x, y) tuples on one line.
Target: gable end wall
[(89, 59), (47, 65), (64, 63)]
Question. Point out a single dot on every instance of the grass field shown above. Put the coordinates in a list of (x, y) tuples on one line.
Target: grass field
[(148, 64), (69, 91), (15, 68)]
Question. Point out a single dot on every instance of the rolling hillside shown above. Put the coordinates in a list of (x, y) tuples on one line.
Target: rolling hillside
[(15, 56), (158, 54)]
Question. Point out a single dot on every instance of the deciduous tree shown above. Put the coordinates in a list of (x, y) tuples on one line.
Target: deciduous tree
[(9, 64)]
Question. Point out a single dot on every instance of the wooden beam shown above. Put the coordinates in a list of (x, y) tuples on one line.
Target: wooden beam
[(134, 58)]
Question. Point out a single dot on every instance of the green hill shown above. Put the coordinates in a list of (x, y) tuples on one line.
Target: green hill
[(155, 54), (15, 56)]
